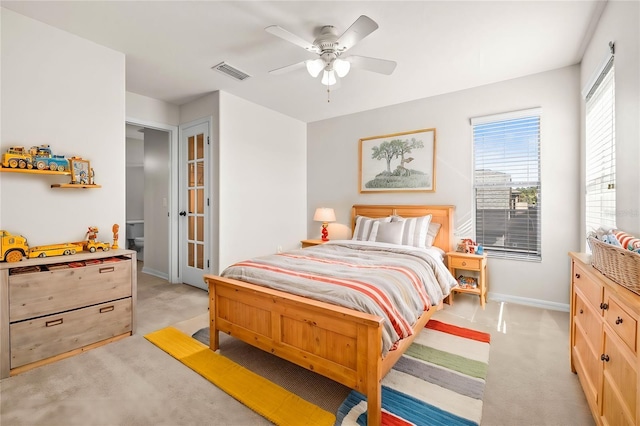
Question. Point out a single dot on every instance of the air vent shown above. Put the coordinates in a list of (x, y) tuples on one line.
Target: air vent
[(232, 72)]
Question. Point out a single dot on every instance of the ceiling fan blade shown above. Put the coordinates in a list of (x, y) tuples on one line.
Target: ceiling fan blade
[(288, 68), (381, 66), (291, 38), (362, 27)]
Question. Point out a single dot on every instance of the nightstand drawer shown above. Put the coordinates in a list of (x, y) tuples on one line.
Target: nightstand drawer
[(465, 263)]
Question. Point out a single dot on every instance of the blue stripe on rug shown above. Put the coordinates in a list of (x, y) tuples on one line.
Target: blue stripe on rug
[(406, 407), (429, 385)]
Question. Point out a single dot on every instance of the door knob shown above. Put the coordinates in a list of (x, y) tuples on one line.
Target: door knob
[(183, 213)]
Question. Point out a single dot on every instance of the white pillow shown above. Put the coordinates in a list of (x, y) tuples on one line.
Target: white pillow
[(364, 225)]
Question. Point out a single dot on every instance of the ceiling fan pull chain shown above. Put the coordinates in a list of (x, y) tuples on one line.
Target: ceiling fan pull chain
[(328, 93)]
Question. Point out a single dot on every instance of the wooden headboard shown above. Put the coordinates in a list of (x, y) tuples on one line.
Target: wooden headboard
[(439, 214)]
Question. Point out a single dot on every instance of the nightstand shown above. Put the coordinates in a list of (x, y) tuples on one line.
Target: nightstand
[(310, 243), (461, 262)]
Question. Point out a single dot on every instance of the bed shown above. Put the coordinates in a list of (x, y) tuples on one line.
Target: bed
[(343, 344)]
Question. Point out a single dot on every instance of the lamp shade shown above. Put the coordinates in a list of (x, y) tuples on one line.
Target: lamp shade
[(315, 66), (329, 78), (324, 214), (341, 67)]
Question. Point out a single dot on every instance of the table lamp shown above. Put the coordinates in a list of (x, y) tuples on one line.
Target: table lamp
[(324, 215)]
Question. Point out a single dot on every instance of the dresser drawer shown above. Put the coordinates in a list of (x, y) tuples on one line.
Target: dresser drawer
[(589, 323), (623, 324), (465, 263), (590, 289), (40, 338), (44, 293)]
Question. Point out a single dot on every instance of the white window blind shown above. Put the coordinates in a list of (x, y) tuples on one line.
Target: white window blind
[(600, 167), (507, 184)]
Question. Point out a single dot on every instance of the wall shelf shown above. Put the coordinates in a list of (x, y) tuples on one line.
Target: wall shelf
[(74, 185), (34, 171)]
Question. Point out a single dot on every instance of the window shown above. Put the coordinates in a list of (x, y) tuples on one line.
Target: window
[(506, 149), (600, 167)]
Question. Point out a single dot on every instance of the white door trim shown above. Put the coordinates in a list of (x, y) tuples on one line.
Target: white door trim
[(173, 202)]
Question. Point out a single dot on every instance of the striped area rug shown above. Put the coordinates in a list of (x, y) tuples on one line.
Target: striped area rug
[(438, 381)]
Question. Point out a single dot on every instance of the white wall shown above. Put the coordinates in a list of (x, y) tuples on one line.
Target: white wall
[(135, 179), (263, 171), (149, 110), (156, 196), (333, 171), (620, 23), (68, 92)]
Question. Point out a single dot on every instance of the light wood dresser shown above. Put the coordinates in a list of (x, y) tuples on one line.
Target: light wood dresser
[(55, 313), (604, 343)]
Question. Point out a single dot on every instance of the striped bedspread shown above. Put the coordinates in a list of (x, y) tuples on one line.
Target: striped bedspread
[(397, 283)]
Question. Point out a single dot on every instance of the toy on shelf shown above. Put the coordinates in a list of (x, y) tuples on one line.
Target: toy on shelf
[(44, 159), (64, 249), (12, 247), (115, 229), (91, 244), (39, 157), (17, 157)]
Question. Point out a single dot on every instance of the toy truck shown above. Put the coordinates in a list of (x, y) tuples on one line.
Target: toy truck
[(12, 247), (17, 157), (44, 159), (64, 249)]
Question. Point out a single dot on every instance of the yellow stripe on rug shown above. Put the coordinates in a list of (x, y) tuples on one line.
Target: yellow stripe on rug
[(262, 396)]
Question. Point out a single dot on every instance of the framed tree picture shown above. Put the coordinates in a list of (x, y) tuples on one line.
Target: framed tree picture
[(80, 171), (399, 162)]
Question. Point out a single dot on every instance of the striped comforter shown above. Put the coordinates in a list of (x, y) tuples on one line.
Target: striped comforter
[(397, 283)]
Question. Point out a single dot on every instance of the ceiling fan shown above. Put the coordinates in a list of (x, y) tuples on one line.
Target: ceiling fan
[(330, 47)]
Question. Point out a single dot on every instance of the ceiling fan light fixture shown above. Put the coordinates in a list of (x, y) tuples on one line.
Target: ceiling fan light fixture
[(315, 66), (341, 67), (329, 78)]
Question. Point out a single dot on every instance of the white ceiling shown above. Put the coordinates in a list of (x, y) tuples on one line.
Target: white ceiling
[(440, 46)]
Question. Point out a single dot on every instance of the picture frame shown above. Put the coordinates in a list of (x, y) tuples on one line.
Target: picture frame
[(80, 171), (398, 162)]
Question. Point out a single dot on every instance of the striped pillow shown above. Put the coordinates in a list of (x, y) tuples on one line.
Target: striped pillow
[(412, 232), (364, 226), (627, 241), (432, 232), (390, 232)]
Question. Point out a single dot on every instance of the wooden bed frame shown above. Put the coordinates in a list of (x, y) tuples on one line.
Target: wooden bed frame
[(339, 343)]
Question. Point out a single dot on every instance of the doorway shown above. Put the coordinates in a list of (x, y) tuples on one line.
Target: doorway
[(151, 186)]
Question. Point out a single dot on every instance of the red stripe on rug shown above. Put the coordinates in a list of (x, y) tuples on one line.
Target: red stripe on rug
[(458, 331), (390, 419)]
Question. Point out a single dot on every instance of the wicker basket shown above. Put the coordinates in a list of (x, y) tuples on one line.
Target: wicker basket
[(619, 265)]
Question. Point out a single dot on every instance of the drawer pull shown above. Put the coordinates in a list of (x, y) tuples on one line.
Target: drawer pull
[(105, 270), (578, 276), (464, 263), (604, 306), (53, 323), (106, 309), (604, 357), (581, 311), (619, 320)]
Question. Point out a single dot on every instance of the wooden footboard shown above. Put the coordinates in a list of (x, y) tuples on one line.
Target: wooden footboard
[(339, 343)]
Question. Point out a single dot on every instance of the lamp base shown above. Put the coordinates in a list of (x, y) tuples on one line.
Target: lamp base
[(325, 232)]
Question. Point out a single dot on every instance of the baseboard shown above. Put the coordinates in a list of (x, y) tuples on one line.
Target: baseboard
[(544, 304), (155, 273)]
